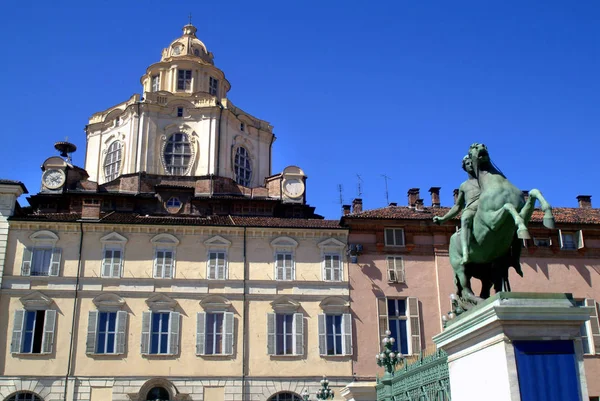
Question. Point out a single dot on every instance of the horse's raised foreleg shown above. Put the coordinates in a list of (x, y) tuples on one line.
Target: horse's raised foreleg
[(522, 232), (527, 210)]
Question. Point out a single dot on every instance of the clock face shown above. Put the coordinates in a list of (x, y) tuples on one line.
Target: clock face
[(53, 179), (293, 187)]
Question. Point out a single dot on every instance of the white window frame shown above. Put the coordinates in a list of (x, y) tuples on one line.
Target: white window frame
[(112, 242), (332, 247), (213, 86), (286, 306), (413, 321), (184, 79), (217, 244), (160, 303), (218, 274), (34, 302), (284, 246), (399, 275), (395, 229), (240, 169), (284, 269), (115, 150), (578, 242), (215, 304), (42, 240), (155, 82), (339, 268), (171, 167), (164, 243)]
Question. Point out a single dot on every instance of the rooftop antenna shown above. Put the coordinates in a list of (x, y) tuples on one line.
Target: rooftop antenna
[(359, 185), (387, 197), (65, 148), (340, 189), (190, 18)]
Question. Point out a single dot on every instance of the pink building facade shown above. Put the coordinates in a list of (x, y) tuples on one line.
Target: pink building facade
[(402, 278)]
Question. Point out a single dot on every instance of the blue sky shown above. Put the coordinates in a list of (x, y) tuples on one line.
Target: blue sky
[(400, 88)]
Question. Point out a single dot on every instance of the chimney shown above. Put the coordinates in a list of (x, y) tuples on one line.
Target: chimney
[(357, 205), (346, 209), (525, 195), (419, 204), (413, 195), (393, 204), (435, 196), (585, 201), (90, 209)]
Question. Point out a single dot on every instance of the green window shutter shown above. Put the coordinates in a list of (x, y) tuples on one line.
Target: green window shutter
[(200, 332), (271, 334), (17, 334), (145, 343), (298, 334), (121, 331), (174, 323), (49, 327), (90, 344), (55, 262), (26, 264), (322, 334), (228, 328), (415, 324)]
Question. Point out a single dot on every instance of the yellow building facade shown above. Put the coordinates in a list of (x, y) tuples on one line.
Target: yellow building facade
[(169, 269)]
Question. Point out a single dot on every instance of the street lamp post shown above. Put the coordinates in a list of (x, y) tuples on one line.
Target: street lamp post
[(388, 359), (305, 395), (325, 393)]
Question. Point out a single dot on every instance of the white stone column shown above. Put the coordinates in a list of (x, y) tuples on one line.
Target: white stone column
[(479, 343)]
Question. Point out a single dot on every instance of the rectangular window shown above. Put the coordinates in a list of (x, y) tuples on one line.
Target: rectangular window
[(214, 86), (242, 126), (334, 334), (155, 83), (180, 112), (571, 240), (395, 269), (397, 324), (394, 237), (107, 332), (164, 261), (542, 242), (159, 338), (214, 333), (284, 266), (41, 261), (111, 265), (184, 79), (284, 334), (33, 331), (332, 267), (217, 265)]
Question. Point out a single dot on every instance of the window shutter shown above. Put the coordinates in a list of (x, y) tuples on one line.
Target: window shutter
[(299, 334), (121, 330), (157, 263), (292, 270), (391, 268), (270, 334), (327, 268), (106, 263), (382, 310), (26, 265), (399, 263), (336, 264), (17, 334), (200, 332), (595, 334), (560, 239), (145, 344), (228, 323), (221, 266), (172, 265), (414, 324), (55, 263), (212, 266), (116, 265), (580, 243), (279, 263), (322, 334), (49, 326), (347, 333), (168, 264), (174, 321), (90, 345)]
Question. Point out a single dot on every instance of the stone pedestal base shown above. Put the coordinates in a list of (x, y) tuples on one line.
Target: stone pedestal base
[(502, 349), (359, 391)]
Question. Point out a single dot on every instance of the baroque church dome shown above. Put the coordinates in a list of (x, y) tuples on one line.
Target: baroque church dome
[(186, 46)]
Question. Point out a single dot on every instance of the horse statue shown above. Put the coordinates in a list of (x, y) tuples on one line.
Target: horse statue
[(498, 228)]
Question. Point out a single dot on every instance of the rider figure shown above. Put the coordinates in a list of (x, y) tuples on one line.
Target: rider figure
[(467, 201)]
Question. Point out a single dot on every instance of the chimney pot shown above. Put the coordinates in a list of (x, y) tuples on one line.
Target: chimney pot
[(419, 204), (455, 194), (435, 196), (357, 205), (393, 204), (91, 209), (413, 195), (346, 210), (585, 201)]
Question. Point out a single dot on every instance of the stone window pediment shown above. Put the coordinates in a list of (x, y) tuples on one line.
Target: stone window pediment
[(331, 243), (44, 237), (284, 242), (285, 305), (335, 305), (113, 238), (36, 300), (217, 242), (215, 303), (160, 302), (108, 302), (162, 240)]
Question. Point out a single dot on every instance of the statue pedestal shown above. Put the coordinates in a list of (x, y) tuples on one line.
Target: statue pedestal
[(517, 347), (359, 391)]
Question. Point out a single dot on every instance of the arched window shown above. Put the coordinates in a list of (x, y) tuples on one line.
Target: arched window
[(112, 162), (242, 167), (178, 154), (24, 396), (158, 394), (285, 397)]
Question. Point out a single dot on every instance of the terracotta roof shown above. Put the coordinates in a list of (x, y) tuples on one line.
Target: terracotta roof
[(563, 215), (239, 221)]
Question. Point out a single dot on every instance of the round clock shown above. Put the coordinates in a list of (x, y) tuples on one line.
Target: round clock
[(293, 187), (53, 179)]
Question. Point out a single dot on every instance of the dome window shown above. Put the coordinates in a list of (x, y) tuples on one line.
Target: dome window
[(242, 167), (196, 52), (180, 112), (112, 161), (214, 86), (155, 83), (184, 80), (177, 154)]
